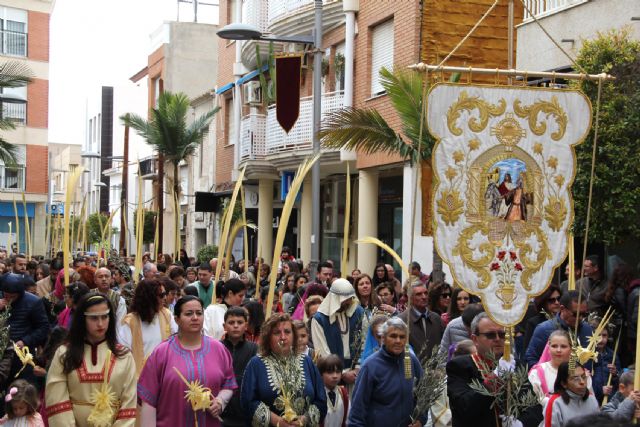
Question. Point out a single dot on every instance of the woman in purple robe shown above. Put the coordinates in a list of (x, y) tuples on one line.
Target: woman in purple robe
[(161, 390)]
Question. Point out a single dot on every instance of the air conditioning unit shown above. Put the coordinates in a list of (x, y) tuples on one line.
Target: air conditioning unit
[(252, 93)]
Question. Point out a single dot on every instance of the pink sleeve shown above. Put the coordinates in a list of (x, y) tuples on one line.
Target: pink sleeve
[(149, 382)]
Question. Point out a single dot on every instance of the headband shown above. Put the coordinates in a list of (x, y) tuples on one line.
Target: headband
[(96, 313)]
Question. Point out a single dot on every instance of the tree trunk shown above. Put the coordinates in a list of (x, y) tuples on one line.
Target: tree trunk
[(160, 197)]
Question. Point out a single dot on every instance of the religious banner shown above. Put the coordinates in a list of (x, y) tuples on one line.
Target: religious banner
[(503, 168), (288, 70)]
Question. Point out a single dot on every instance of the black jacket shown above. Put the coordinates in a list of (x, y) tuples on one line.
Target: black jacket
[(29, 321), (241, 353), (470, 408)]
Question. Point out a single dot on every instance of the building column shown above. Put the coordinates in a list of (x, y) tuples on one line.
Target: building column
[(304, 227), (367, 217), (265, 219), (38, 227)]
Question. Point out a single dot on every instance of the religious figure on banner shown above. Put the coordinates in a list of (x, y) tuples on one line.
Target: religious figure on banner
[(503, 168)]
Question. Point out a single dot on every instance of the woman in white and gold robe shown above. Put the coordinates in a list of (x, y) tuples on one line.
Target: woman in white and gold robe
[(76, 377)]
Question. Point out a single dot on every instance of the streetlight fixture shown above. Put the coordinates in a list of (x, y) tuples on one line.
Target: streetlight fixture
[(240, 31)]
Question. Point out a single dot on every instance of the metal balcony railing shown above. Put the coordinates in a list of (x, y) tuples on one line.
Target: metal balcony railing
[(12, 178), (300, 135), (541, 8), (255, 12), (253, 137), (13, 43), (16, 112), (280, 8)]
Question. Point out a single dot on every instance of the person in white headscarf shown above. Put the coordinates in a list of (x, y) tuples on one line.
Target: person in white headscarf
[(337, 326)]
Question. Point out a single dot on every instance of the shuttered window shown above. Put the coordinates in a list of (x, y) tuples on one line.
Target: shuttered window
[(381, 53)]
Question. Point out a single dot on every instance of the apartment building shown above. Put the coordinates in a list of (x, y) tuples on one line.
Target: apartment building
[(183, 58), (24, 25), (359, 38), (569, 22)]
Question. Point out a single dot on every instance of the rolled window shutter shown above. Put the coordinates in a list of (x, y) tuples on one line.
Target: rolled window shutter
[(382, 53)]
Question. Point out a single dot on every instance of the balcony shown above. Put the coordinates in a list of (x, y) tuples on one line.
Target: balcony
[(15, 112), (299, 138), (253, 137), (295, 17), (12, 178), (14, 43), (541, 8), (255, 12)]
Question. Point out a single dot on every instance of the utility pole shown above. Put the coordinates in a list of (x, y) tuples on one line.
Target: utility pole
[(124, 190)]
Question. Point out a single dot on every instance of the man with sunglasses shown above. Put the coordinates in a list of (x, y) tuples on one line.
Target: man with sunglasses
[(468, 407), (570, 314)]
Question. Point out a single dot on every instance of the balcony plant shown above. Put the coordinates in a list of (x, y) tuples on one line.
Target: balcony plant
[(13, 74), (169, 133)]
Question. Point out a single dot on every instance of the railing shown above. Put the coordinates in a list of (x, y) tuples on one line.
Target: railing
[(253, 137), (546, 7), (14, 43), (278, 141), (16, 112), (12, 178), (255, 12), (280, 8)]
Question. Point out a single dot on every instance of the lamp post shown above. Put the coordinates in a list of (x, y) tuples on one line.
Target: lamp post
[(240, 31)]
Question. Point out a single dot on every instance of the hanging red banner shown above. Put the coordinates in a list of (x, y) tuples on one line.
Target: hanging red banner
[(288, 70)]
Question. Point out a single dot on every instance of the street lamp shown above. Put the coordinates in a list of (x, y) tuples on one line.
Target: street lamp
[(240, 31)]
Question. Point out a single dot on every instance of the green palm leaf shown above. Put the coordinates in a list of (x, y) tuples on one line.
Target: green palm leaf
[(8, 152), (15, 74)]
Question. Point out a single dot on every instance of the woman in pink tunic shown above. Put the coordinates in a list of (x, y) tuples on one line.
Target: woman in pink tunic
[(161, 391)]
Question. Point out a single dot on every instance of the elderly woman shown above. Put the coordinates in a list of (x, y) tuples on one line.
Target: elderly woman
[(190, 356), (149, 322), (280, 374), (383, 396)]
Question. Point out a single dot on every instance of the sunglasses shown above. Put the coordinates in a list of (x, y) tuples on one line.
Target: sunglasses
[(554, 300), (493, 335), (445, 296), (578, 314), (162, 294)]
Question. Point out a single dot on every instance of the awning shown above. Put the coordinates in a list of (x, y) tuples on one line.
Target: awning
[(6, 209), (250, 76), (225, 88)]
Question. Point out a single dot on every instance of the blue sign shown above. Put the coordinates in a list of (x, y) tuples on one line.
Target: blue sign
[(56, 209), (285, 185)]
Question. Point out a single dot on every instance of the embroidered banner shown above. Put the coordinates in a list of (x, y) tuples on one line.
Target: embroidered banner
[(503, 169), (288, 90)]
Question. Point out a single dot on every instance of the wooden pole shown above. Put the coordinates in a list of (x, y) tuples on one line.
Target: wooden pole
[(125, 188)]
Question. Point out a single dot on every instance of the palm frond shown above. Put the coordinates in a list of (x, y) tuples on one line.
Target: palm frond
[(15, 74), (8, 152), (363, 130), (7, 124)]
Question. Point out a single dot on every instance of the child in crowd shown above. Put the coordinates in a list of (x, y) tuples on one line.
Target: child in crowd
[(21, 403), (464, 347), (571, 399), (235, 327), (330, 368), (623, 404), (604, 366), (303, 340)]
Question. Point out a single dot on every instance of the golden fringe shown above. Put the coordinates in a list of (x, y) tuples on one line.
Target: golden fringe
[(289, 202)]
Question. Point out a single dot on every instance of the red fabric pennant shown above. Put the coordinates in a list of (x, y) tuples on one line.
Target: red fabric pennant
[(288, 71)]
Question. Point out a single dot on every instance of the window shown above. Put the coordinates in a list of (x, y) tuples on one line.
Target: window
[(230, 126), (12, 177), (338, 65), (13, 31), (14, 104), (381, 53)]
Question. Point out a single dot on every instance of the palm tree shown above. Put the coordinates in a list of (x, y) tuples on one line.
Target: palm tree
[(168, 133), (13, 74), (365, 130)]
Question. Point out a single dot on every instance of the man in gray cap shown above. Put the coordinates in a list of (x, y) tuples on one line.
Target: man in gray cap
[(336, 325)]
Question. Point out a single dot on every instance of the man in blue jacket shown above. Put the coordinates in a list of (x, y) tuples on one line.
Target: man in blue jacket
[(570, 314), (28, 321)]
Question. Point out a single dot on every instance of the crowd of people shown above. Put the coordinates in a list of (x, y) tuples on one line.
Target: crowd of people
[(174, 348)]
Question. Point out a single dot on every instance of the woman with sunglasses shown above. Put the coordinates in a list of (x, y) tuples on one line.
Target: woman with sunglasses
[(186, 356), (78, 368), (149, 322), (439, 297), (572, 398), (546, 305)]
